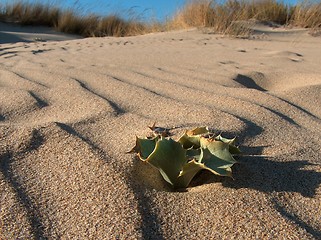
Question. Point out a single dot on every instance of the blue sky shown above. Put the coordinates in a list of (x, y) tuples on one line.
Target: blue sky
[(140, 8), (144, 8)]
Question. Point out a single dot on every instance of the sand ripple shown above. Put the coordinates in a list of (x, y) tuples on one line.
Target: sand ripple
[(70, 110)]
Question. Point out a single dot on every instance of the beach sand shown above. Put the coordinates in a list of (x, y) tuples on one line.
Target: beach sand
[(70, 110)]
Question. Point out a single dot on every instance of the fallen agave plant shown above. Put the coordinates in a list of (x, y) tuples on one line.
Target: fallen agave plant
[(179, 161)]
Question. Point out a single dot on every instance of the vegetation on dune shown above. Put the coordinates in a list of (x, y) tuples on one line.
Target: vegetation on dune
[(69, 21), (180, 161), (230, 17)]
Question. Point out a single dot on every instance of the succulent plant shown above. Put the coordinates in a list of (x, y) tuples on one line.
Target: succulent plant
[(179, 161)]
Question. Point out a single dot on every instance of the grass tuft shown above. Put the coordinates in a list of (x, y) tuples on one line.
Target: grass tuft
[(68, 21), (31, 14), (232, 17), (307, 15)]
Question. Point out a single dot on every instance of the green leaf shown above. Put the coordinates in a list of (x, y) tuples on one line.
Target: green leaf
[(193, 154), (144, 147), (217, 158), (198, 131), (169, 158), (191, 138), (231, 142), (178, 162), (188, 172)]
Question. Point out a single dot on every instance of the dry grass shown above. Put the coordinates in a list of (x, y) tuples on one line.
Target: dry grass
[(68, 21), (307, 15), (232, 17), (94, 26), (31, 14)]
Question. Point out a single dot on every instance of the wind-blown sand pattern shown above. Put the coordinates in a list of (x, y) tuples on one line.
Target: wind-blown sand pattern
[(70, 110)]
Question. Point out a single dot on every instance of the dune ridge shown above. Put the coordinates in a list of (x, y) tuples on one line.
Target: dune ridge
[(70, 110)]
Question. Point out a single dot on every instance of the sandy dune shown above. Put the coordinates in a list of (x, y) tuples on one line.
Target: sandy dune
[(70, 110), (12, 33)]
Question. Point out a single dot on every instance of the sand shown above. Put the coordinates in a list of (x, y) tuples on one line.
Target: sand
[(12, 33), (69, 111)]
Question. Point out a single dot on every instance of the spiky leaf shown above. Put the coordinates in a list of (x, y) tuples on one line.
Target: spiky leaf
[(188, 172), (144, 147), (191, 138), (217, 158), (178, 162), (169, 158), (197, 131), (160, 131), (231, 142)]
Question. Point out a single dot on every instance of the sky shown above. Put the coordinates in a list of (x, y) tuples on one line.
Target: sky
[(158, 10), (142, 9)]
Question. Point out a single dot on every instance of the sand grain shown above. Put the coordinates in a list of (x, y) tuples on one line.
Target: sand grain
[(70, 110)]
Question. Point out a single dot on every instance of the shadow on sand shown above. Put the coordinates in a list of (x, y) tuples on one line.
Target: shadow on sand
[(268, 175), (6, 169), (254, 172), (151, 227), (10, 38)]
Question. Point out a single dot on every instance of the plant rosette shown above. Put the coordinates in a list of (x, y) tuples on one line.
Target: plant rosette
[(179, 161)]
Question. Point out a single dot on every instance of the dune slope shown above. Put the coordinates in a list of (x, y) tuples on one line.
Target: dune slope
[(70, 110)]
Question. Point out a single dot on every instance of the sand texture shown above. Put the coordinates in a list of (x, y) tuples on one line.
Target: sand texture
[(69, 111), (12, 33)]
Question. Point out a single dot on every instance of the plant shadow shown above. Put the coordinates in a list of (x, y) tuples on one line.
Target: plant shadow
[(143, 179), (268, 175)]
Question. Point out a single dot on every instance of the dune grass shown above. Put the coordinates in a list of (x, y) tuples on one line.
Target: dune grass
[(306, 15), (231, 17), (30, 14), (68, 21)]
